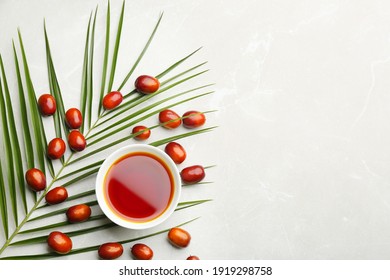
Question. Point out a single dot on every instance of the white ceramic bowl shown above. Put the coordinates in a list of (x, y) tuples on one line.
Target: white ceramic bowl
[(102, 196)]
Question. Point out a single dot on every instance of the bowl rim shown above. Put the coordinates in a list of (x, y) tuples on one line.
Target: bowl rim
[(112, 158)]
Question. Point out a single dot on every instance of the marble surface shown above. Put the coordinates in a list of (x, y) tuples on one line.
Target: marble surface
[(302, 94)]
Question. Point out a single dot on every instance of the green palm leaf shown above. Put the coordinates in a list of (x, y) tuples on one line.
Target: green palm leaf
[(3, 204), (135, 109), (8, 150)]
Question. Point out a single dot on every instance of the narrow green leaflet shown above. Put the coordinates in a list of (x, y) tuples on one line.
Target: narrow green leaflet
[(3, 204), (116, 49), (81, 177), (84, 79), (29, 154), (177, 63), (180, 136), (56, 118), (105, 59), (79, 170), (59, 116), (189, 204), (9, 155), (17, 156), (56, 212), (72, 197), (34, 113), (90, 73), (141, 54)]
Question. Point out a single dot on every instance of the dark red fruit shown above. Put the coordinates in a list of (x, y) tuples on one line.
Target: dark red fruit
[(170, 118), (76, 141), (36, 180), (73, 118), (193, 258), (47, 104), (176, 152), (145, 134), (59, 242), (78, 213), (192, 174), (110, 251), (142, 252), (193, 119), (179, 237), (146, 84), (56, 195), (112, 99), (56, 148)]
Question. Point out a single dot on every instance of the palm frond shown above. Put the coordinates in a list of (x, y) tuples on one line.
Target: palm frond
[(135, 109)]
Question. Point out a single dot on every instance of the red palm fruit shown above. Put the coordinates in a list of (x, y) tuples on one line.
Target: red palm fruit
[(146, 84), (145, 134), (78, 213), (112, 100), (47, 104), (176, 152), (142, 252), (76, 141), (192, 174), (56, 195), (193, 258), (110, 251), (73, 118), (35, 179), (56, 148), (193, 119), (170, 119), (179, 237), (59, 242)]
